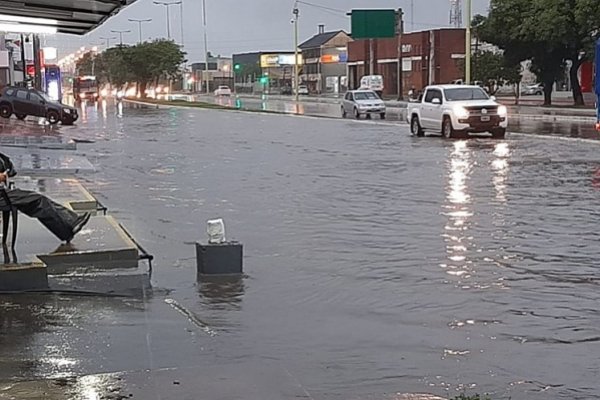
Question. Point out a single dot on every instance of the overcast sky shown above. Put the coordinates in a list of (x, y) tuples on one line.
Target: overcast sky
[(250, 25)]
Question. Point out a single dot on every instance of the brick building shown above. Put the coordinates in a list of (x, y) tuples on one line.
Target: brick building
[(435, 56)]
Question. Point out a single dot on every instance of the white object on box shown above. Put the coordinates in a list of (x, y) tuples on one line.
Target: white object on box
[(216, 230)]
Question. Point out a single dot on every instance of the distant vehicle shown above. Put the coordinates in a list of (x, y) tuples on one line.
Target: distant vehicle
[(286, 90), (372, 82), (457, 111), (362, 102), (23, 102), (303, 89), (85, 88), (223, 91), (533, 90)]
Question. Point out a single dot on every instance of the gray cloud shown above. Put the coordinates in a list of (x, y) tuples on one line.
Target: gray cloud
[(248, 25)]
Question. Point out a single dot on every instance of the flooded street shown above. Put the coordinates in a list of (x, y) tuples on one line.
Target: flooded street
[(376, 262)]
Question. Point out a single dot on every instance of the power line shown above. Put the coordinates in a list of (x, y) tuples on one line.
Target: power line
[(321, 7)]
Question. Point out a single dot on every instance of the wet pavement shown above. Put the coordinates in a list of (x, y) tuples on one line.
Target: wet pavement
[(376, 263)]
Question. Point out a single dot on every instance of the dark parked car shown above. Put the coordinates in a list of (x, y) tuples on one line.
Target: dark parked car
[(286, 90), (23, 102)]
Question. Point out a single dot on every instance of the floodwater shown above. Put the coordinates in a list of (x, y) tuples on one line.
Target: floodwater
[(376, 262)]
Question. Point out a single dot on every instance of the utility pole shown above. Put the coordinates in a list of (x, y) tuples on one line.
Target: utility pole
[(205, 44), (400, 31), (296, 13), (121, 32), (37, 62), (412, 15), (23, 61), (140, 22), (468, 44)]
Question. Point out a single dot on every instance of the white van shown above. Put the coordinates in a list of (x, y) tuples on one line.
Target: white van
[(372, 82)]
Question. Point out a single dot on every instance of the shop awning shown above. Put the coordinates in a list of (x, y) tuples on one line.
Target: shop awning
[(76, 17)]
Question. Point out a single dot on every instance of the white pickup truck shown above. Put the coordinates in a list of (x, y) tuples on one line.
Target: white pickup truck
[(457, 111)]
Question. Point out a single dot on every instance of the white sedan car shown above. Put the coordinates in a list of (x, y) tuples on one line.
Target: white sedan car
[(303, 89), (362, 102), (223, 91)]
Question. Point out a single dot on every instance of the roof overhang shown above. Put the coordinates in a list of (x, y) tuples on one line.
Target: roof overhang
[(76, 17)]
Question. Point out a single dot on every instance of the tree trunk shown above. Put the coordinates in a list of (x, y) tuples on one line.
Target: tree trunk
[(142, 91), (576, 87), (548, 86)]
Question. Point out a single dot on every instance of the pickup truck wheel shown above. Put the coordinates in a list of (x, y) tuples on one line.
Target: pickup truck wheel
[(356, 113), (415, 127), (5, 110), (447, 129), (499, 133)]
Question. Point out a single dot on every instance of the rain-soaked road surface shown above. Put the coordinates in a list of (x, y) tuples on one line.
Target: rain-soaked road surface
[(376, 262)]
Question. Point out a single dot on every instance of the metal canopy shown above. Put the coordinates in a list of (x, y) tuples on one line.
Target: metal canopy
[(76, 17)]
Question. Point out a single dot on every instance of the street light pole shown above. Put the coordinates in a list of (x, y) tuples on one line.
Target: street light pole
[(205, 44), (121, 32), (108, 39), (181, 22), (468, 44), (140, 22), (296, 13), (167, 5)]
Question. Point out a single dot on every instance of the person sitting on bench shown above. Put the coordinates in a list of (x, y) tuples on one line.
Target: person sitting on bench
[(59, 220)]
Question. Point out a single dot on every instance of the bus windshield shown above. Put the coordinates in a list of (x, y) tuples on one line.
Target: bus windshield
[(86, 83)]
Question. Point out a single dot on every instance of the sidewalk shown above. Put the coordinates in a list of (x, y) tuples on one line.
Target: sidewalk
[(528, 111)]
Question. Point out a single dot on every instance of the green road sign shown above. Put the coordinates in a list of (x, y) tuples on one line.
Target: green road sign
[(373, 24)]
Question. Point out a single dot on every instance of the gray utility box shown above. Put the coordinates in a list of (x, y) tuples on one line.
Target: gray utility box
[(219, 258)]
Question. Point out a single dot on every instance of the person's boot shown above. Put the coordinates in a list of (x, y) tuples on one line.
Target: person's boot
[(79, 224)]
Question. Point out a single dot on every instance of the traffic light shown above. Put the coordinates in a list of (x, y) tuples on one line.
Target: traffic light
[(237, 67), (264, 80)]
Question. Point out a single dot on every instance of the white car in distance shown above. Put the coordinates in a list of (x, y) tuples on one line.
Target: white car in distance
[(362, 102), (303, 90), (223, 91)]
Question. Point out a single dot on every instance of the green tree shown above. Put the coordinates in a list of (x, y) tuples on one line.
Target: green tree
[(547, 32), (87, 64), (494, 70), (151, 61), (116, 69), (143, 63)]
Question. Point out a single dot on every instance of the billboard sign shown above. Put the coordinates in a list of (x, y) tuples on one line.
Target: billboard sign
[(278, 60), (374, 24)]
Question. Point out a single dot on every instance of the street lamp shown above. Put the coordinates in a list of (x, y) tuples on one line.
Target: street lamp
[(121, 32), (205, 43), (108, 39), (140, 22), (296, 13), (168, 4)]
